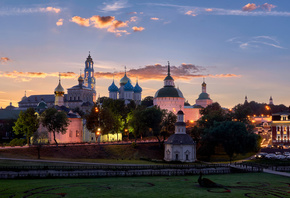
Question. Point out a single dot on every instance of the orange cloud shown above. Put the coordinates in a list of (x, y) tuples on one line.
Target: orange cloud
[(50, 9), (158, 72), (28, 76), (208, 9), (154, 18), (137, 29), (267, 6), (132, 13), (81, 21), (102, 22), (250, 7), (191, 13), (59, 22), (4, 59)]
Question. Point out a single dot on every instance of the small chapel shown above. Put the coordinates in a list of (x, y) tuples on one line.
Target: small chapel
[(180, 146)]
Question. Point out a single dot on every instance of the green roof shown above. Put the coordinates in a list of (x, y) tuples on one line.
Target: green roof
[(168, 91), (203, 96), (168, 78)]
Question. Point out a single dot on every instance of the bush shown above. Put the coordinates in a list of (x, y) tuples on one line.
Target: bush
[(17, 142)]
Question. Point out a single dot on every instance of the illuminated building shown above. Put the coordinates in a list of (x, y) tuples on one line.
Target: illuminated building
[(126, 91), (281, 128), (203, 99), (180, 146)]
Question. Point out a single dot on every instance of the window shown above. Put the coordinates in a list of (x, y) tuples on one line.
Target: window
[(176, 157), (186, 157), (77, 133), (70, 133)]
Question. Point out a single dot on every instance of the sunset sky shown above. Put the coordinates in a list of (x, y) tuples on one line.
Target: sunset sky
[(240, 47)]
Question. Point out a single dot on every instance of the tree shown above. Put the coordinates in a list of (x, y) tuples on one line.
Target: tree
[(26, 124), (55, 121), (137, 123), (153, 118), (168, 124), (234, 137), (147, 101)]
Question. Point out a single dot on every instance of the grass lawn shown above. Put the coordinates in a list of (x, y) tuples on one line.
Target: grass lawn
[(236, 185)]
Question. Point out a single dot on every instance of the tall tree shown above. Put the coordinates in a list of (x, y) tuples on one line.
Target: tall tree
[(147, 101), (137, 123), (55, 121), (26, 124), (168, 124)]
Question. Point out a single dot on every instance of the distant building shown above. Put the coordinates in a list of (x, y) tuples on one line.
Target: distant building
[(80, 95), (281, 128), (180, 146), (203, 99), (126, 91), (271, 101)]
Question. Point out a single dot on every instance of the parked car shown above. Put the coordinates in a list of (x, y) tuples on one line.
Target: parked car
[(286, 153), (280, 157), (278, 153), (270, 156), (261, 155)]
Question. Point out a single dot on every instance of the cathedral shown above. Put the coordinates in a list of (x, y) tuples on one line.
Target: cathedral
[(126, 91), (82, 95), (171, 99)]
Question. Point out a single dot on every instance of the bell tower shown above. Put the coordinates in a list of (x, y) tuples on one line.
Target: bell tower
[(89, 79)]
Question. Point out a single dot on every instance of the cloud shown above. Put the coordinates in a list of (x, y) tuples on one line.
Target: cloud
[(28, 76), (103, 22), (18, 11), (50, 9), (132, 13), (4, 59), (159, 72), (194, 11), (208, 9), (191, 13), (256, 42), (81, 21), (117, 5), (154, 18), (250, 7), (268, 7), (138, 29), (134, 18), (59, 22)]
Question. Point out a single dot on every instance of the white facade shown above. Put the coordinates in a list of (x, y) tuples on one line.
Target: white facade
[(180, 146)]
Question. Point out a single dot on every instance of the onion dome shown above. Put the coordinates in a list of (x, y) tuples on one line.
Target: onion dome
[(203, 96), (113, 87), (180, 112), (81, 80), (124, 80), (137, 88), (128, 86), (59, 88)]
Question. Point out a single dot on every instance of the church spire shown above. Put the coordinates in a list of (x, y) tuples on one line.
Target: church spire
[(168, 81), (168, 74)]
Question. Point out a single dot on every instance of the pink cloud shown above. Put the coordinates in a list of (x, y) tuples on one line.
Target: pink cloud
[(59, 22), (50, 9), (4, 59), (138, 29), (250, 7)]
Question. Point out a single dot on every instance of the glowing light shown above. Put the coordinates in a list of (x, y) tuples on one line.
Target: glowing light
[(126, 130), (267, 107), (191, 121), (96, 109), (253, 121)]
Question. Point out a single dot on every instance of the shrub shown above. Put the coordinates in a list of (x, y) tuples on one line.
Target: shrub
[(17, 142)]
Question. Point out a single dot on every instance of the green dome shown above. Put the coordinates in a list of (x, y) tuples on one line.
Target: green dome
[(168, 91), (42, 105), (168, 78), (203, 96)]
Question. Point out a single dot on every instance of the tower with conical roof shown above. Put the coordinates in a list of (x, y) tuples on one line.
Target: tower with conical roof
[(203, 99), (271, 101), (59, 94), (90, 80)]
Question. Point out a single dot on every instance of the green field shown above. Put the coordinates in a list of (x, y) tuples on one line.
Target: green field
[(236, 185)]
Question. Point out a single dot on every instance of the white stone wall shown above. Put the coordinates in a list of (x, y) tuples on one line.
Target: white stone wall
[(172, 152), (173, 104)]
